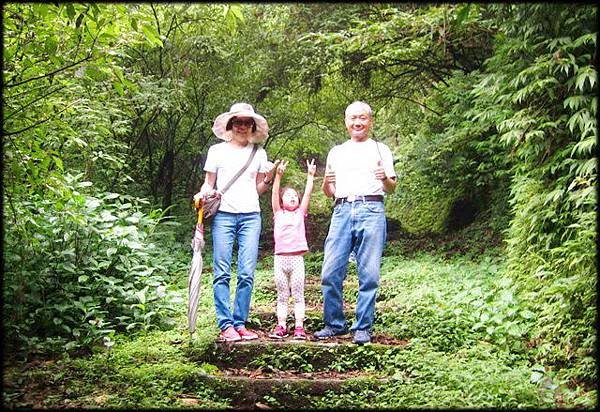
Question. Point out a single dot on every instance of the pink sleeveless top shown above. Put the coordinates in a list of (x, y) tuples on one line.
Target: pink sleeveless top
[(289, 231)]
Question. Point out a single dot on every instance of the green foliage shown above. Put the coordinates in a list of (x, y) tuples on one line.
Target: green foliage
[(485, 105), (448, 160), (468, 302), (418, 206), (528, 118), (151, 370), (545, 104), (165, 368), (79, 268)]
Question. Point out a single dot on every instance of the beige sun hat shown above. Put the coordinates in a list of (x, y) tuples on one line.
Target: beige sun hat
[(241, 110)]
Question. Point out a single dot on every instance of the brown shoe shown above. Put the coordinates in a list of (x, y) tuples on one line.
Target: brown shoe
[(229, 335), (247, 334)]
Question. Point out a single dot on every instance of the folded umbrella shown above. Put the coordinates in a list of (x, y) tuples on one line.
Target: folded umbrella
[(195, 270)]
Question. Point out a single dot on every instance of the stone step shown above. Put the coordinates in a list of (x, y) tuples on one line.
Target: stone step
[(258, 390), (336, 354)]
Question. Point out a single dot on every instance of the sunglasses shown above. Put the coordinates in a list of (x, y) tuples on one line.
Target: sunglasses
[(247, 123)]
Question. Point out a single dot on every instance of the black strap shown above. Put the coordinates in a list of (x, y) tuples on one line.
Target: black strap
[(234, 178)]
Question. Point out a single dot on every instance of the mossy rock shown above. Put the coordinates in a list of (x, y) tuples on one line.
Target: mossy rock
[(251, 392), (421, 209), (302, 356)]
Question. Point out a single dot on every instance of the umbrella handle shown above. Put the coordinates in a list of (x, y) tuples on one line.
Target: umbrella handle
[(199, 208)]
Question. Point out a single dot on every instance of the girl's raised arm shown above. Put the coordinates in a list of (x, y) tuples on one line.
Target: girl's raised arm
[(311, 168), (275, 202)]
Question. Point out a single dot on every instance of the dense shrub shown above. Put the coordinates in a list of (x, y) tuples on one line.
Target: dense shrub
[(542, 93), (80, 267)]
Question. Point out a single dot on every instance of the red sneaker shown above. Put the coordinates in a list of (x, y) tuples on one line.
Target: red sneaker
[(299, 333), (229, 335), (279, 332), (247, 334)]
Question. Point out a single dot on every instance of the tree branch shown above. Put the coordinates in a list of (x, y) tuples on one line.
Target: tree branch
[(38, 122), (49, 74), (32, 102)]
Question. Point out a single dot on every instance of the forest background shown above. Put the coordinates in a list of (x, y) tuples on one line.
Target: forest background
[(490, 111)]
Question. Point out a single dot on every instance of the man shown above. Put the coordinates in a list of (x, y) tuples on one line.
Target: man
[(357, 174)]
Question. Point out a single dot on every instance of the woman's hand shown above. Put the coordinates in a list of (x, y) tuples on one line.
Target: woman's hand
[(204, 194)]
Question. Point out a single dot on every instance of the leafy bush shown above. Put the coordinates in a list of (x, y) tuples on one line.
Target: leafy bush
[(78, 268), (543, 98), (526, 121)]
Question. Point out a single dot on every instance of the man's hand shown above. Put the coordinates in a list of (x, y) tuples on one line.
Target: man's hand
[(329, 177), (380, 171)]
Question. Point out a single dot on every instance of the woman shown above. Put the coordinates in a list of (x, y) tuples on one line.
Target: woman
[(238, 218)]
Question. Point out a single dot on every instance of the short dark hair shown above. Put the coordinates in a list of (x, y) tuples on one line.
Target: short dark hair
[(229, 125)]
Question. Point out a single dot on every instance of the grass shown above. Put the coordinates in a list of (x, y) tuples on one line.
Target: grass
[(467, 333)]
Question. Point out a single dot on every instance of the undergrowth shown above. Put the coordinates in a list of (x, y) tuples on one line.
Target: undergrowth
[(466, 327)]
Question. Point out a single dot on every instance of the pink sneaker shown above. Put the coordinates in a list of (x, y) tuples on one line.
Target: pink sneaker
[(279, 332), (247, 334), (299, 333), (229, 335)]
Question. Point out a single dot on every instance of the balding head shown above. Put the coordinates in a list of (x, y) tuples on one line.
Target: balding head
[(359, 106)]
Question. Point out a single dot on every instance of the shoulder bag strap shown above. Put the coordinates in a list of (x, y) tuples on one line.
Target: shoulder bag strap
[(378, 151), (234, 178)]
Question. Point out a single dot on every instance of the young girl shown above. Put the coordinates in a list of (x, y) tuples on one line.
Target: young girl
[(290, 246)]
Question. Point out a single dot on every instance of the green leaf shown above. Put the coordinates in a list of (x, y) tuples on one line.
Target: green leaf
[(134, 24), (575, 102), (536, 377), (527, 314), (79, 20), (151, 35), (51, 44), (141, 295), (587, 74), (70, 11), (119, 88), (514, 330), (41, 9), (462, 14), (58, 162), (134, 245)]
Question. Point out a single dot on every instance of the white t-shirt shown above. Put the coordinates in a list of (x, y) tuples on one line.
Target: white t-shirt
[(226, 161), (354, 164)]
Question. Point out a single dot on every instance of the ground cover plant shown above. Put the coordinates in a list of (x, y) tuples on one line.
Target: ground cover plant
[(489, 278), (455, 315)]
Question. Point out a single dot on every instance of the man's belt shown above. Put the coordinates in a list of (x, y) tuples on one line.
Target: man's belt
[(353, 198)]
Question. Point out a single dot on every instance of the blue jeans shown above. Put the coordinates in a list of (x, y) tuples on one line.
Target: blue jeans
[(226, 228), (361, 226)]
